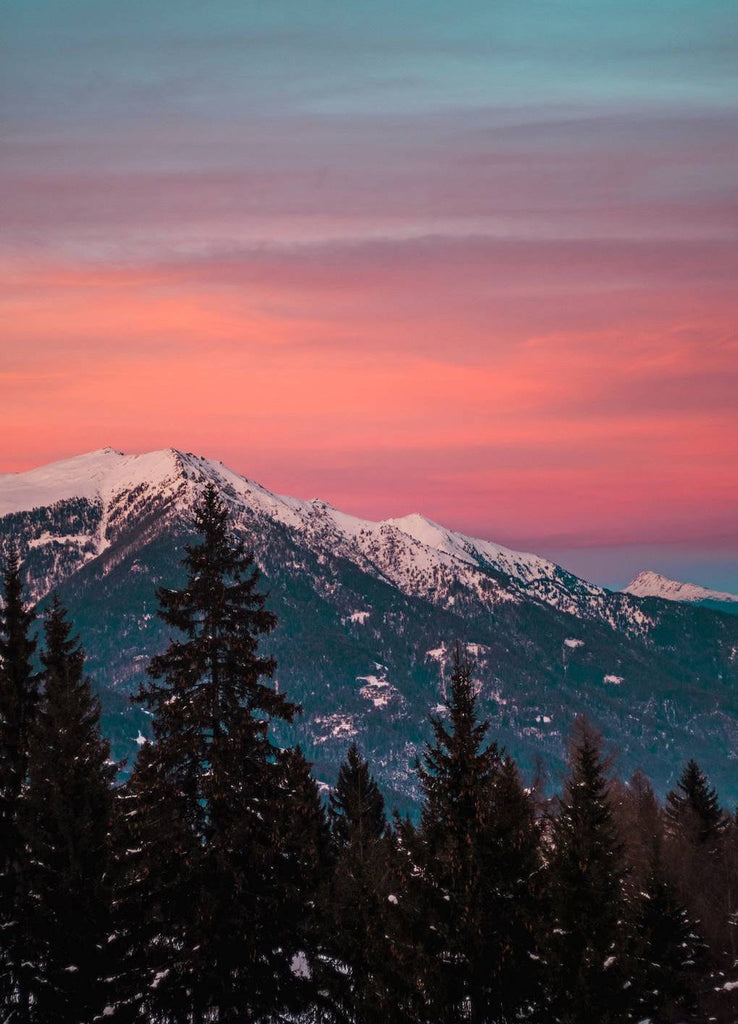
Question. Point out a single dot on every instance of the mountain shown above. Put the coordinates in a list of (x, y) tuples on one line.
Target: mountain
[(368, 613), (653, 584)]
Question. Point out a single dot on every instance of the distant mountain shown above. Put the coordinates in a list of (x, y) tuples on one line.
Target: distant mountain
[(368, 613), (653, 584)]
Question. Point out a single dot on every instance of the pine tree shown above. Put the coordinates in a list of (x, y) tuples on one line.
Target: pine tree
[(18, 699), (693, 811), (588, 940), (154, 910), (698, 857), (361, 900), (457, 777), (66, 813), (356, 806), (668, 953), (408, 924), (514, 909), (303, 859), (215, 768)]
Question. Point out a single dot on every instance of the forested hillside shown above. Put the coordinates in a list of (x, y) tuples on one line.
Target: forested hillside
[(220, 882)]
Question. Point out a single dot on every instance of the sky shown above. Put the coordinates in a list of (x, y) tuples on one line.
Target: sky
[(476, 260)]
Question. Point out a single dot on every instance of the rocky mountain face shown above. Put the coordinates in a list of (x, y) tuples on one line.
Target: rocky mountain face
[(368, 615)]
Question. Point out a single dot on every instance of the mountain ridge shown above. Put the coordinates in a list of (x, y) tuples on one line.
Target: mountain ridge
[(101, 472), (368, 613)]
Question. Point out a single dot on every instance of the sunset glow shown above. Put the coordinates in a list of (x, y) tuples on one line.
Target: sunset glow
[(484, 267)]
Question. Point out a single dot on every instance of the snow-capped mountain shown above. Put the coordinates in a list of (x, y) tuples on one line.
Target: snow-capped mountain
[(108, 478), (653, 584), (368, 612), (412, 553)]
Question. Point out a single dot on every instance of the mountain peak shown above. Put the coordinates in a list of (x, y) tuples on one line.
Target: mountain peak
[(92, 475), (77, 477), (105, 474), (649, 583), (431, 534)]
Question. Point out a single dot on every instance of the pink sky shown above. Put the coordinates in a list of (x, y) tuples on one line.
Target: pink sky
[(517, 389), (484, 268)]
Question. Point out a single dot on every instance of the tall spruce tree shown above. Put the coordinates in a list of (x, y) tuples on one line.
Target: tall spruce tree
[(215, 770), (588, 939), (693, 811), (66, 812), (18, 700), (457, 776), (698, 856), (408, 924), (154, 911), (303, 859), (356, 807), (668, 954), (361, 898), (515, 904)]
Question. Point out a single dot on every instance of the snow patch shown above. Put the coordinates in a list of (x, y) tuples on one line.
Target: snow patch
[(377, 690), (300, 967), (47, 538), (336, 726)]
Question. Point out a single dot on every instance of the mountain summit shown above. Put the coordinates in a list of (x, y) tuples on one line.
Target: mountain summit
[(107, 476), (368, 613), (653, 584)]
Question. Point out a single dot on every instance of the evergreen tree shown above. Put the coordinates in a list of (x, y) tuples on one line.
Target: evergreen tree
[(302, 855), (668, 953), (515, 900), (361, 897), (588, 940), (18, 699), (408, 925), (154, 908), (697, 851), (66, 813), (215, 768), (356, 806), (693, 811), (667, 960), (457, 777)]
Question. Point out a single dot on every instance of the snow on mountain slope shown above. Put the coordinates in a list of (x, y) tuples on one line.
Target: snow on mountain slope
[(369, 613), (518, 564), (412, 553), (80, 477), (652, 584), (104, 474)]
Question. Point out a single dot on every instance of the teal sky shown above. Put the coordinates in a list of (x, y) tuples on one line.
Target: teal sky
[(73, 60)]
